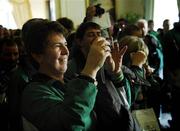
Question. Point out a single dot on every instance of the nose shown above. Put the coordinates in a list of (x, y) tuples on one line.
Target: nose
[(14, 57), (96, 35), (64, 50)]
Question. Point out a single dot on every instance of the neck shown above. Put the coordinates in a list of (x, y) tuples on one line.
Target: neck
[(58, 77)]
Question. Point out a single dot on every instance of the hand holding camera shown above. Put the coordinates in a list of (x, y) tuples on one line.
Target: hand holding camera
[(97, 55), (99, 10), (94, 10)]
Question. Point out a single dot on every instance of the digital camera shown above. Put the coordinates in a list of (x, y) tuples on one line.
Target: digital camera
[(99, 10)]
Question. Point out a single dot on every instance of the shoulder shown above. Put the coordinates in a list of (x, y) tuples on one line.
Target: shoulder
[(20, 74)]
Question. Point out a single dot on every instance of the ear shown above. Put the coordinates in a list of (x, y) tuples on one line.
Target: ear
[(37, 57)]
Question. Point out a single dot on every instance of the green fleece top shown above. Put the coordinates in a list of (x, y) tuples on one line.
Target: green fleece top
[(75, 66), (52, 106)]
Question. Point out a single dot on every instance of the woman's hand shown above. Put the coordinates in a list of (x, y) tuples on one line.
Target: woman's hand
[(114, 62)]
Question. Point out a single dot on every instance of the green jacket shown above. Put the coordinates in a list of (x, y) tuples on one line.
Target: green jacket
[(111, 109), (51, 105)]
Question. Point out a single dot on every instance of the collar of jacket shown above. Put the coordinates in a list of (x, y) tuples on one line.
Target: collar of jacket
[(39, 77)]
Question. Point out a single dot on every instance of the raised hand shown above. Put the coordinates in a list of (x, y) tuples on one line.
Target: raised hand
[(90, 12), (99, 51), (114, 62)]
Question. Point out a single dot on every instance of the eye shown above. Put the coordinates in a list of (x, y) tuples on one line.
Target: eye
[(91, 34), (59, 45), (94, 34), (65, 43)]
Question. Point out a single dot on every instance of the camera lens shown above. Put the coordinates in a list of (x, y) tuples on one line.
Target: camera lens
[(99, 10)]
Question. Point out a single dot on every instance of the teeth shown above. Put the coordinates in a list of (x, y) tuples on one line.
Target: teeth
[(63, 60)]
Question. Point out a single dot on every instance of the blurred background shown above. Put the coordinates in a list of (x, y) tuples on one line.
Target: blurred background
[(13, 13)]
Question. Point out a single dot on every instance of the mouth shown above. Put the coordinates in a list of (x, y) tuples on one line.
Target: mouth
[(63, 60)]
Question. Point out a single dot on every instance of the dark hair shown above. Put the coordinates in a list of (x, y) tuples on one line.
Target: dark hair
[(17, 33), (123, 20), (130, 29), (150, 21), (67, 23), (27, 25), (7, 41), (84, 27), (36, 39)]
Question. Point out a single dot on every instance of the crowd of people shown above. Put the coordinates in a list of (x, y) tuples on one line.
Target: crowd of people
[(55, 77)]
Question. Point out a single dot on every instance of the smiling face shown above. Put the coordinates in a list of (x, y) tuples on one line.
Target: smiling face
[(53, 60)]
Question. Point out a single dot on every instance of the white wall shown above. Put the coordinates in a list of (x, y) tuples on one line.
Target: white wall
[(165, 10), (73, 9), (39, 8), (6, 16)]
